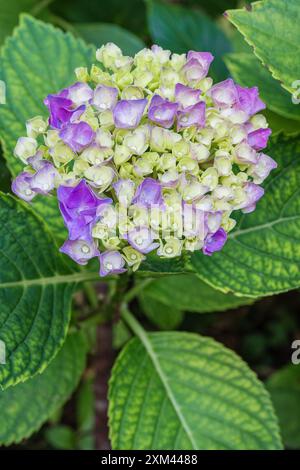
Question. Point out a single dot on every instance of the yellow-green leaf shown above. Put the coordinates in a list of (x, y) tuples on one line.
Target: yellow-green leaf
[(25, 407), (271, 28), (183, 391)]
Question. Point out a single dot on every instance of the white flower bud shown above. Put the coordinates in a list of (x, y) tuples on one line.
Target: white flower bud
[(26, 147)]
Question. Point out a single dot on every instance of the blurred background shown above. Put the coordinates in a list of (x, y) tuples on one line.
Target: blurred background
[(261, 332)]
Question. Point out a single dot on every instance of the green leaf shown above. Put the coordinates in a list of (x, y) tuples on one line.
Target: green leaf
[(270, 27), (262, 254), (37, 60), (162, 315), (101, 33), (183, 391), (213, 7), (248, 71), (188, 292), (61, 437), (156, 266), (181, 29), (4, 174), (9, 14), (85, 406), (25, 407), (284, 387), (130, 14), (279, 124), (35, 293)]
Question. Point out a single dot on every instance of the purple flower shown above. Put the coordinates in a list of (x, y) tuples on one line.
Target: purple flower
[(193, 71), (253, 194), (148, 193), (36, 161), (214, 242), (162, 111), (262, 169), (79, 93), (186, 96), (142, 239), (259, 139), (204, 58), (44, 179), (77, 136), (80, 250), (105, 97), (128, 113), (124, 189), (192, 116), (111, 262), (224, 94), (197, 65), (78, 206), (61, 109), (249, 100), (22, 188)]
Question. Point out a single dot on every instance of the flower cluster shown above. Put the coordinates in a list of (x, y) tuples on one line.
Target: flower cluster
[(146, 153)]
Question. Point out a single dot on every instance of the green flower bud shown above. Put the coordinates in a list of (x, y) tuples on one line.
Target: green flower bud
[(95, 155), (210, 178), (36, 126), (259, 122), (238, 134), (108, 54), (106, 119), (238, 117), (188, 164), (181, 149), (133, 257), (123, 79), (140, 215), (122, 154), (51, 138), (100, 231), (205, 136), (200, 152), (79, 167), (193, 190), (126, 170), (89, 117), (171, 248), (205, 84), (61, 153), (137, 141), (98, 76), (193, 244), (102, 176), (166, 162), (112, 243), (82, 74), (104, 138), (142, 79), (132, 93), (143, 166), (177, 61), (223, 165), (26, 147)]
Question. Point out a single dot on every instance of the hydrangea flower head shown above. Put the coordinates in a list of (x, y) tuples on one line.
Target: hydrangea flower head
[(146, 154)]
